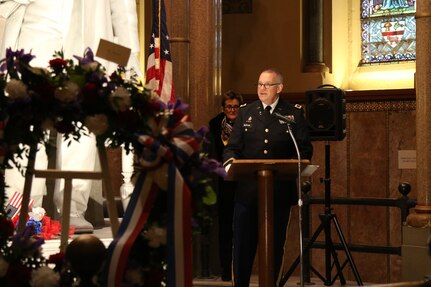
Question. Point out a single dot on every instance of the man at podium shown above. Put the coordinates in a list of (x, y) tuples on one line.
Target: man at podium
[(261, 132)]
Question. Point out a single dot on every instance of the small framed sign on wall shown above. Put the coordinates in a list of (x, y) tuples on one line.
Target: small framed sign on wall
[(237, 6)]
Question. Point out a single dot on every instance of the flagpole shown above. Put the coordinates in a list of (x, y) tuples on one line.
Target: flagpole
[(158, 22)]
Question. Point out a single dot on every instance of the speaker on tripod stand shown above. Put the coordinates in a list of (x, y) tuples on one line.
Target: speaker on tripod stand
[(326, 113), (326, 116)]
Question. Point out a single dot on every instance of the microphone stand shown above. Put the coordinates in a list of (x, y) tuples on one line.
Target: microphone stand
[(301, 262)]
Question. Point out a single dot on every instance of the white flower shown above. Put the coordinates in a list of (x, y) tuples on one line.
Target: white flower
[(120, 99), (91, 66), (4, 266), (16, 89), (156, 236), (94, 67), (44, 277), (39, 71), (67, 93), (97, 124), (37, 213)]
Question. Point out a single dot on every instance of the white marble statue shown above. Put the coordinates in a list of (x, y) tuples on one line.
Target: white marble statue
[(46, 26)]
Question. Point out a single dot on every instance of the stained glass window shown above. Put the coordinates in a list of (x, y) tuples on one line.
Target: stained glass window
[(388, 30)]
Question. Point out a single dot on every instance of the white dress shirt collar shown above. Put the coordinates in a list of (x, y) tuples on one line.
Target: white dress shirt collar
[(273, 105)]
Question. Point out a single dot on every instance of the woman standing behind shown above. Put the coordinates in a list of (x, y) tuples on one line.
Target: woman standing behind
[(220, 129)]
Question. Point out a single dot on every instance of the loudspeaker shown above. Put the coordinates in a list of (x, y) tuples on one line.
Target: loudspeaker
[(326, 113)]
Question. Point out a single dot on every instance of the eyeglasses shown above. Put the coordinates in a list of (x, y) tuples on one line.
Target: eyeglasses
[(267, 85), (230, 107)]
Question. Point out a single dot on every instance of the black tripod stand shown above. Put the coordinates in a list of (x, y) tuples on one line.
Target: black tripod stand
[(331, 257)]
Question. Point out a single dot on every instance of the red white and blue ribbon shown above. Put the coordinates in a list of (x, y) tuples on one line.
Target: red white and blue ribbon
[(134, 219), (182, 143), (179, 236)]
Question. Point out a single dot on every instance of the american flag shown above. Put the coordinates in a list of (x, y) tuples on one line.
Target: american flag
[(159, 64), (14, 205)]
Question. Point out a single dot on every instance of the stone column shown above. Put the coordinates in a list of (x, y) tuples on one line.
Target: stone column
[(192, 27), (178, 22), (415, 261), (313, 36), (422, 216), (203, 100)]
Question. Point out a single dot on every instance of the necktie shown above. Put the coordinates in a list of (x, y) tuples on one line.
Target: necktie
[(268, 113)]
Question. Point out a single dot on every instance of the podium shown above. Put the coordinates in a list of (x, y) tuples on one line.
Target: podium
[(266, 171)]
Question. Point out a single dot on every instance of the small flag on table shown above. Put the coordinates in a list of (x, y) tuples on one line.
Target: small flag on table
[(14, 205)]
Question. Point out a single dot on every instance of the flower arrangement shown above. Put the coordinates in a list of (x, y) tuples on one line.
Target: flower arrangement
[(44, 227), (21, 260), (71, 99), (74, 98)]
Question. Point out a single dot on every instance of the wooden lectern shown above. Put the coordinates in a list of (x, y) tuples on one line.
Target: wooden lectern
[(266, 171)]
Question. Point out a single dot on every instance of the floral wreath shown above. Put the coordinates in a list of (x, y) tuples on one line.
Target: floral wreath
[(73, 98)]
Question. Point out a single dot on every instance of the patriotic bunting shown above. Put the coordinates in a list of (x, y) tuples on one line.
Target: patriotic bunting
[(172, 147)]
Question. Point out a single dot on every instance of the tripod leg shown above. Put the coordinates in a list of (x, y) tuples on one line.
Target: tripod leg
[(328, 249), (346, 249), (337, 265), (331, 253), (304, 252)]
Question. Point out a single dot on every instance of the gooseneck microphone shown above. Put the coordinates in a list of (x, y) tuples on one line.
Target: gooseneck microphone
[(287, 118)]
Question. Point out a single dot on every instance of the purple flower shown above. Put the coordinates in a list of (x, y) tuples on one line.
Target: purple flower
[(212, 165), (27, 242), (200, 134), (14, 62), (88, 64), (18, 56), (88, 57), (178, 105)]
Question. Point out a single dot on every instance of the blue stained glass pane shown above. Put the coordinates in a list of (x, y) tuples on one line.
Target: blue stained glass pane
[(388, 31)]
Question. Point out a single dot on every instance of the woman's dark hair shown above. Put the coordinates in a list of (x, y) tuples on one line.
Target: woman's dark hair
[(231, 95)]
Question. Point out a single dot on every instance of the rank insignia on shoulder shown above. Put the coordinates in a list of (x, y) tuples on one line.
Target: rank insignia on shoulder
[(298, 106)]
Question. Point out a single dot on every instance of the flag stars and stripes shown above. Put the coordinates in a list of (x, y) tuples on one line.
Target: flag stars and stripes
[(159, 64)]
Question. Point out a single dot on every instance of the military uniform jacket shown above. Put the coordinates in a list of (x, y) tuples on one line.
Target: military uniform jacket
[(255, 136)]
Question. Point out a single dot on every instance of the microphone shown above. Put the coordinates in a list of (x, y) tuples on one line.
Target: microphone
[(287, 118)]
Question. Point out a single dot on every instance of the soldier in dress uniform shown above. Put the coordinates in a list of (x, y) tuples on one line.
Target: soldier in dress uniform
[(258, 134)]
